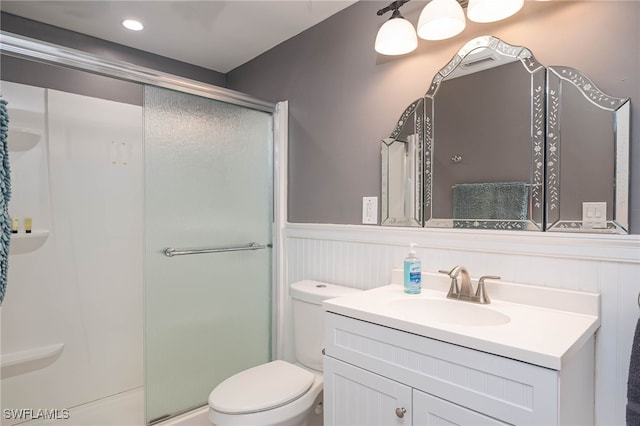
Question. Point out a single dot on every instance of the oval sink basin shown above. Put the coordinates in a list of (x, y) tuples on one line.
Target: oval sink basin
[(449, 312)]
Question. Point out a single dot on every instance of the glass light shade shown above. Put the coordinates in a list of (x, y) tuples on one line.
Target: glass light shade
[(492, 10), (396, 37), (441, 19)]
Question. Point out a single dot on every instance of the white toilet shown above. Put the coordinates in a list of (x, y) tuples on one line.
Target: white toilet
[(278, 392)]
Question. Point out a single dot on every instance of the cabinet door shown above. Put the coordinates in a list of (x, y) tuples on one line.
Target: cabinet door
[(353, 396), (432, 411)]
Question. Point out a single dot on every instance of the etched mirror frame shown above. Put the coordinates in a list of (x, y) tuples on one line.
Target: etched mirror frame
[(553, 204), (606, 120), (402, 161), (492, 47)]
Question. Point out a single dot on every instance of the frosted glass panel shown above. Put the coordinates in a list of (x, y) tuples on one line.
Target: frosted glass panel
[(208, 184)]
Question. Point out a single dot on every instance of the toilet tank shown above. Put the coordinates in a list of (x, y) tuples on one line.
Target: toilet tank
[(308, 318)]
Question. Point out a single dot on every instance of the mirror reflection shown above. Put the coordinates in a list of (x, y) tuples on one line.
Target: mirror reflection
[(487, 139), (494, 122), (483, 165), (587, 156), (402, 170)]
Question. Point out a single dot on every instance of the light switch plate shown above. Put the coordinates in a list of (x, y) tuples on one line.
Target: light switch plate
[(594, 215), (370, 210)]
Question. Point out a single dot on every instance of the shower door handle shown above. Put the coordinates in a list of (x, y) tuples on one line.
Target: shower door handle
[(170, 252)]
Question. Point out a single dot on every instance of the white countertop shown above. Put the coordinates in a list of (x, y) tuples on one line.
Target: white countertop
[(544, 332)]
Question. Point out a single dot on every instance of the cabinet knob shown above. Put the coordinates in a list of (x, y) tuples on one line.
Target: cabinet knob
[(400, 412)]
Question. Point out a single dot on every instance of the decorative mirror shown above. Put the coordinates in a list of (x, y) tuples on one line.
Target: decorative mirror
[(484, 139), (401, 191), (587, 156), (508, 144)]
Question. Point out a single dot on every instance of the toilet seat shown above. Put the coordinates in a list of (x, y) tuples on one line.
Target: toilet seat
[(260, 388)]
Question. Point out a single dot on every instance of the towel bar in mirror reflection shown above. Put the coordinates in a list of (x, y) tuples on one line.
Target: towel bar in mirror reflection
[(502, 117)]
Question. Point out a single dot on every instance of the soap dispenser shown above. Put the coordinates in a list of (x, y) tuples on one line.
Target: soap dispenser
[(412, 272)]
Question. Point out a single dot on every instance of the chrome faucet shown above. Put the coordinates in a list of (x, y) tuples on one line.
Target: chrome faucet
[(464, 291)]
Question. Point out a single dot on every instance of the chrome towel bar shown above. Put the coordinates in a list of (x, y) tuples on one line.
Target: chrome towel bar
[(170, 252)]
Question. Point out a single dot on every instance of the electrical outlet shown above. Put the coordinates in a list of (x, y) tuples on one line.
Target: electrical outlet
[(370, 210), (594, 215)]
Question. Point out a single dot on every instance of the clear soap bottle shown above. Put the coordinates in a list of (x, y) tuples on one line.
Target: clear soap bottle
[(412, 272)]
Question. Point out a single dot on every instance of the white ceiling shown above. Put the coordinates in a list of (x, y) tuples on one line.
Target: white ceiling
[(218, 35)]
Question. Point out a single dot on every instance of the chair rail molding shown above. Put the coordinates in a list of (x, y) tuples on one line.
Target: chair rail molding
[(611, 248)]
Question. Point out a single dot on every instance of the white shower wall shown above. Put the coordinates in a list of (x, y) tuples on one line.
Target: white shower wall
[(83, 286), (363, 257)]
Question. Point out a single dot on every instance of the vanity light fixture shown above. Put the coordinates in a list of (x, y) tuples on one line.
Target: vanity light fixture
[(132, 24), (492, 10), (439, 20), (396, 36)]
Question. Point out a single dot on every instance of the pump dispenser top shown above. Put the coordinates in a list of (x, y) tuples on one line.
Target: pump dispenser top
[(412, 272)]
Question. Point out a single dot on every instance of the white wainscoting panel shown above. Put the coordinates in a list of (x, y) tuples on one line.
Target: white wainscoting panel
[(363, 257)]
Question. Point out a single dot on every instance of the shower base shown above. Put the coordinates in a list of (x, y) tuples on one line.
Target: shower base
[(123, 409)]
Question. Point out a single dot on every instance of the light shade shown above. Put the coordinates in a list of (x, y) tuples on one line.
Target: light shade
[(396, 37), (492, 10), (441, 19)]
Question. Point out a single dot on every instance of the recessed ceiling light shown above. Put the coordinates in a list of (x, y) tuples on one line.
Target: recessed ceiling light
[(132, 25)]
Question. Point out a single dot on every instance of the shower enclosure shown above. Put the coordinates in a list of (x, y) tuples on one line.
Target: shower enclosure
[(149, 277)]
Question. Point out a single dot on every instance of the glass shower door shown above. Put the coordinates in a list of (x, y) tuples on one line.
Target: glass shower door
[(208, 185)]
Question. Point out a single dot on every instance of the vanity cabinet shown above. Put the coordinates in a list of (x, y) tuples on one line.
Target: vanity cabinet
[(360, 397), (430, 410), (376, 375)]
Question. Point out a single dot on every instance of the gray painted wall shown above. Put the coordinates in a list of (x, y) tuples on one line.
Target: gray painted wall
[(344, 97), (69, 80)]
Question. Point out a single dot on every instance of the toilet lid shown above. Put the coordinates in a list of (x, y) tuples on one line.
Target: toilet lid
[(261, 388)]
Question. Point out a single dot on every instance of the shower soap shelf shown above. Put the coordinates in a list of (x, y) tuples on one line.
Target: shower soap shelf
[(22, 242), (22, 139), (15, 363)]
